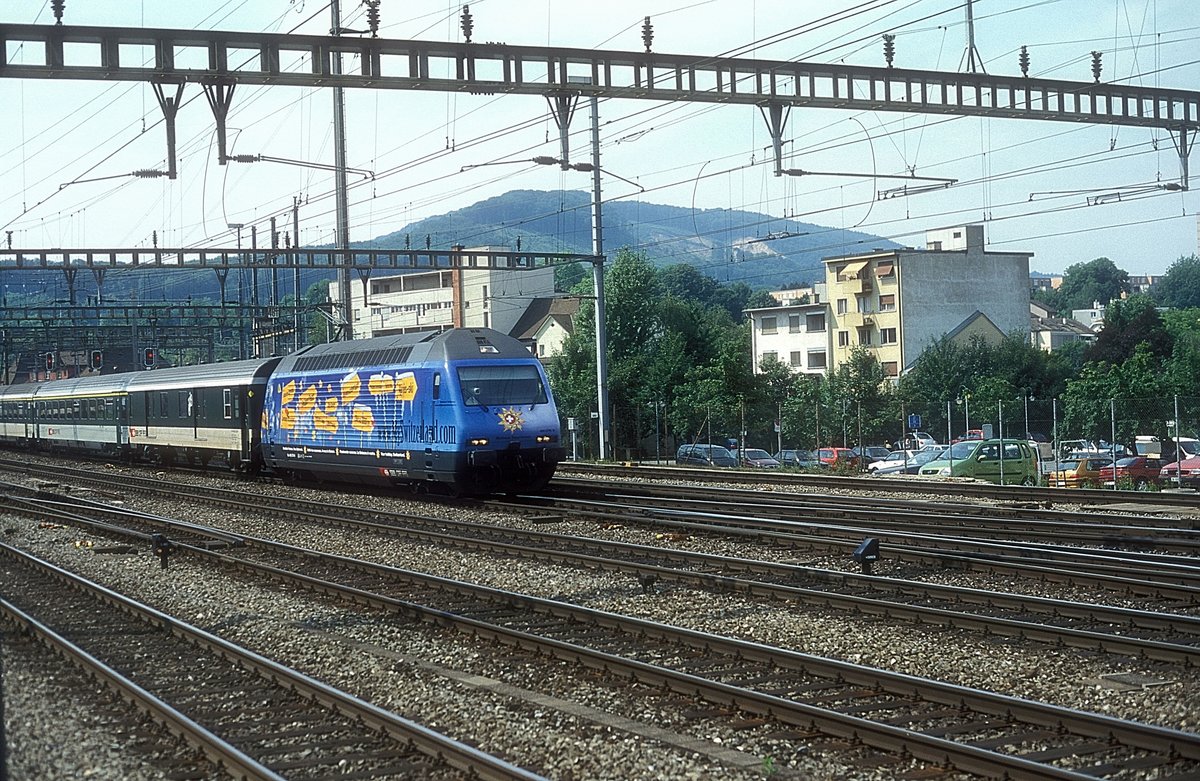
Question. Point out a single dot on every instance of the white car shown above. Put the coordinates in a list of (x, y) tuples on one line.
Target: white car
[(899, 457), (916, 440)]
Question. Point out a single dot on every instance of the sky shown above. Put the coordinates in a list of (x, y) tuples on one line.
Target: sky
[(1066, 192)]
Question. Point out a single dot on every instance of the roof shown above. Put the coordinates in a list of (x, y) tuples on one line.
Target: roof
[(560, 309), (976, 318)]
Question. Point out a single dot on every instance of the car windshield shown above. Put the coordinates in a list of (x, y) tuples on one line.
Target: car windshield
[(720, 452), (925, 456), (962, 450), (1126, 461), (752, 453), (484, 386)]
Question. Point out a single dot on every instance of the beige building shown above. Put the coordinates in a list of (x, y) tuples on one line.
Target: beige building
[(896, 303), (796, 335)]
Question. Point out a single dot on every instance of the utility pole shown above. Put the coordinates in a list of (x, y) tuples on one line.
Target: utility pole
[(598, 282), (346, 331), (296, 342)]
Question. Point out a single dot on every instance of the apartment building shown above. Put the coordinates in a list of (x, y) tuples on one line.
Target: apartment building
[(899, 302), (794, 334)]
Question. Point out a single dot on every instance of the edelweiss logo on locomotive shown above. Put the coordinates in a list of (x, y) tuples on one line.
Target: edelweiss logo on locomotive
[(511, 419)]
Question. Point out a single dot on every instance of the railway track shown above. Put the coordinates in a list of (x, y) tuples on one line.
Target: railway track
[(252, 716), (1165, 633), (970, 730), (956, 488)]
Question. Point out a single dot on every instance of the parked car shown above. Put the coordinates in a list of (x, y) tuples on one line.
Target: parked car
[(802, 459), (971, 435), (1139, 471), (1080, 473), (837, 457), (982, 460), (1184, 474), (758, 459), (870, 453), (915, 462), (898, 457), (704, 455)]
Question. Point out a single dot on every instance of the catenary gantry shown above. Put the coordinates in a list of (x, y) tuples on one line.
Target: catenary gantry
[(220, 60)]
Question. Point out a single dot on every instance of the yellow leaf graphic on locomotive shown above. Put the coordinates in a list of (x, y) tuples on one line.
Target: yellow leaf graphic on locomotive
[(406, 387), (262, 422), (362, 419), (380, 384), (511, 419), (325, 422), (331, 404), (308, 399), (351, 387), (287, 418), (287, 393)]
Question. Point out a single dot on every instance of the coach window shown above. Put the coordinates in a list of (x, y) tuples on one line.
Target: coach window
[(227, 401), (163, 404), (437, 385), (185, 404)]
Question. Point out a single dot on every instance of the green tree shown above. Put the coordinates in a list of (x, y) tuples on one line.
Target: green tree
[(1097, 280), (1128, 324), (1180, 286)]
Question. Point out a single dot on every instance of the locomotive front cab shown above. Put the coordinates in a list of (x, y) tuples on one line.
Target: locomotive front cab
[(510, 424)]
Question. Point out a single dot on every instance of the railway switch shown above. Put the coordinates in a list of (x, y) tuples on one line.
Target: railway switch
[(866, 554)]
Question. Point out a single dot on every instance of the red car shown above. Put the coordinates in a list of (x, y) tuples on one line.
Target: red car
[(1139, 471), (837, 456), (1185, 473), (971, 435)]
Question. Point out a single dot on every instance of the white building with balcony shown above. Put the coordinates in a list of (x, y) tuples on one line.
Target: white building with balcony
[(796, 335)]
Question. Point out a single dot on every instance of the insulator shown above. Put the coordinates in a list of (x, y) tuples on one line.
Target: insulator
[(889, 48), (154, 238), (148, 173), (468, 24), (647, 34), (373, 17), (1096, 66), (57, 7), (1023, 60)]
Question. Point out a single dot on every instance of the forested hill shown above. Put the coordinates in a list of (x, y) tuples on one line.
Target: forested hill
[(727, 245)]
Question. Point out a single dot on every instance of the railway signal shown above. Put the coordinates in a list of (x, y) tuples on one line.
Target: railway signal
[(148, 357), (96, 360)]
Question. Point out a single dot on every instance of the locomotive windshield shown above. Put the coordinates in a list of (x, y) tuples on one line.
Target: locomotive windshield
[(485, 386)]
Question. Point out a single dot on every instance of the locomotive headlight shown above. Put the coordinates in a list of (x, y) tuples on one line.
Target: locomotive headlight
[(478, 442), (545, 438)]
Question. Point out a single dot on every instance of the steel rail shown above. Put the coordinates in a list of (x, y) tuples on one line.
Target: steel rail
[(711, 576), (405, 731), (945, 487), (216, 749), (1146, 737)]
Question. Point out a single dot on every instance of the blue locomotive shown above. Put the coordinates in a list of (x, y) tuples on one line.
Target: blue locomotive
[(468, 409)]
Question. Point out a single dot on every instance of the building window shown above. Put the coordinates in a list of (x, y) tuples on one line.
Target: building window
[(843, 338), (862, 304), (541, 349), (815, 323), (794, 324), (770, 357), (887, 303), (768, 325), (864, 336), (841, 306), (797, 358), (890, 368), (887, 335), (816, 359)]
